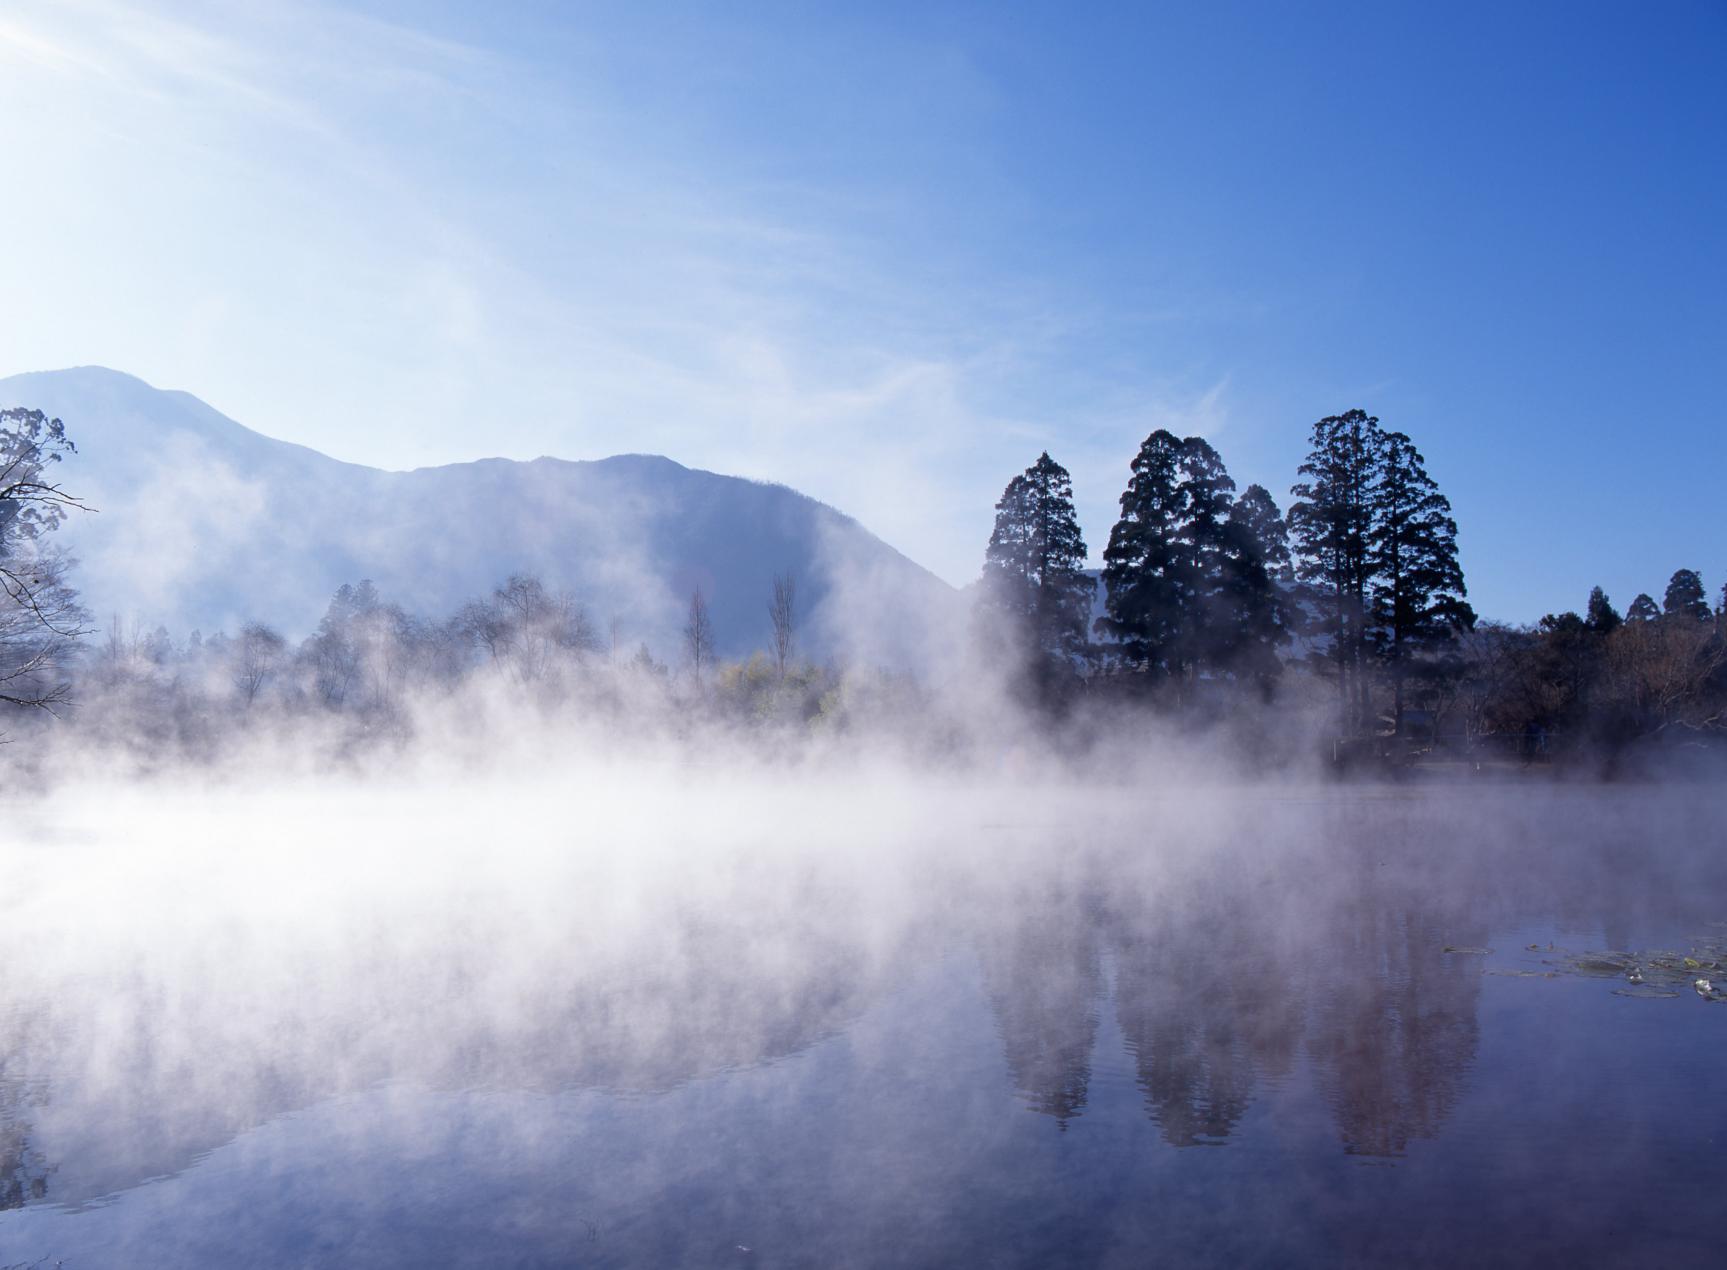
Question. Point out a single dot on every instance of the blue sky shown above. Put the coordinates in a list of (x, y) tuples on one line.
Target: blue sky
[(888, 253)]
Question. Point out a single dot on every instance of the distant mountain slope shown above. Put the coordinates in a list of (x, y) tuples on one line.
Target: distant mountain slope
[(203, 524)]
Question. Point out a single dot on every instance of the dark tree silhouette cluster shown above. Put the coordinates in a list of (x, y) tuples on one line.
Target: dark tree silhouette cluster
[(1035, 587), (1375, 538), (1191, 574)]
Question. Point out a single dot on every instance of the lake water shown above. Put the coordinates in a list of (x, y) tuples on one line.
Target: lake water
[(864, 1024)]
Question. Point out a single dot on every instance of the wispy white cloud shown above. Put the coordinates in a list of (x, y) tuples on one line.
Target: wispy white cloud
[(405, 249)]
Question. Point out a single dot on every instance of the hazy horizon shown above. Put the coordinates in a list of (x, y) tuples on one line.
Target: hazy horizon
[(1097, 535), (888, 257)]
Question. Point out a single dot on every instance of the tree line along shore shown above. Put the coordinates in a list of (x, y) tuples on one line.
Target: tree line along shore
[(1339, 627)]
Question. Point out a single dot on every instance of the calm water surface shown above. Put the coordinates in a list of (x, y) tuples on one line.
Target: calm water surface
[(1346, 1027)]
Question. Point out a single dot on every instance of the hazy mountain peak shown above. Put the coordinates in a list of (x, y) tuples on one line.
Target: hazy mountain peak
[(206, 524)]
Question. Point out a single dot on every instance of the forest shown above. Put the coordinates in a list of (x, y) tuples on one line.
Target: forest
[(1337, 630)]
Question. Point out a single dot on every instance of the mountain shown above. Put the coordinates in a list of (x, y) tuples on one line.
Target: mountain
[(203, 524)]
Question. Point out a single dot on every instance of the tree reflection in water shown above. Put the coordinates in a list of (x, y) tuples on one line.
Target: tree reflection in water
[(1274, 946), (1042, 972), (24, 1172), (1177, 1000), (1231, 959)]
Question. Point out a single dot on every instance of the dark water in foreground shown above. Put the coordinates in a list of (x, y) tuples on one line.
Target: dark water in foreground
[(1233, 1028)]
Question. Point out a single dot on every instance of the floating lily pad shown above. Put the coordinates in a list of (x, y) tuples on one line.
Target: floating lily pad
[(1656, 974)]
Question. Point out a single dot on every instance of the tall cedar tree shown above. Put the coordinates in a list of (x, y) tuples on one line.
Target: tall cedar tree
[(1642, 609), (1206, 494), (1143, 569), (1006, 560), (1189, 572), (1255, 560), (1034, 567), (1417, 589), (1603, 618), (1257, 511), (1684, 597), (1331, 522)]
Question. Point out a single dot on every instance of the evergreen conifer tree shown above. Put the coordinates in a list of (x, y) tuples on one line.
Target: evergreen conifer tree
[(1255, 560), (1642, 609), (1065, 591), (1257, 511), (1007, 569), (1144, 564), (1603, 618), (1685, 597), (1331, 525), (1034, 566), (1417, 585), (1205, 494)]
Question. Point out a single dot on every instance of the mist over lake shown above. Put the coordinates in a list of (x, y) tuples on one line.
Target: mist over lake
[(840, 1021)]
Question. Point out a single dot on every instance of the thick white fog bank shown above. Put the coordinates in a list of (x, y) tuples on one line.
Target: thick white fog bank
[(884, 728)]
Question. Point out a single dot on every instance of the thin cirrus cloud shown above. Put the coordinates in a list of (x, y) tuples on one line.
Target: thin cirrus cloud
[(405, 249)]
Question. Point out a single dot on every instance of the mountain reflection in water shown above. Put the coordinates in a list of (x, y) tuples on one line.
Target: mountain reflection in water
[(781, 1046)]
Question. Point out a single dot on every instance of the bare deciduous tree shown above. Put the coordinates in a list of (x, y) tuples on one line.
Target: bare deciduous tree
[(1493, 655), (1662, 671), (783, 614), (40, 618), (528, 629), (257, 656), (699, 635)]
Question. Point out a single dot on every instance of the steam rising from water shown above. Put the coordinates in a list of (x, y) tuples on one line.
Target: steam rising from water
[(518, 975)]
